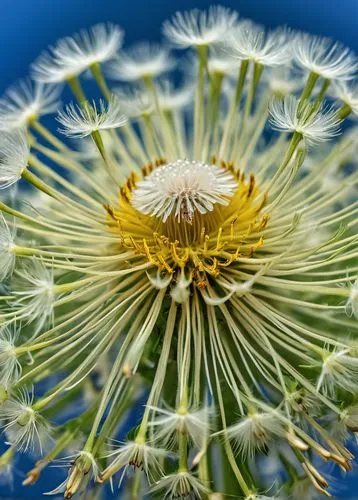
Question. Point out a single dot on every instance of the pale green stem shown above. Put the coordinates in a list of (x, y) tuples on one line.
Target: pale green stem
[(308, 88), (46, 134), (198, 119), (77, 90), (295, 140), (234, 108), (101, 82), (345, 111)]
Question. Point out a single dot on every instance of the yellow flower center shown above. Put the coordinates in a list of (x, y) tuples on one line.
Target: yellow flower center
[(200, 243)]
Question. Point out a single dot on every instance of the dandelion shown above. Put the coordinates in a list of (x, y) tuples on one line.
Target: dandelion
[(182, 188), (25, 102), (199, 265), (25, 429), (323, 57), (352, 302), (35, 293), (80, 122), (137, 456), (135, 102), (348, 94), (250, 42), (180, 485), (339, 370), (73, 55), (141, 61), (171, 99), (15, 153), (314, 125), (7, 256), (10, 367), (196, 424), (6, 469), (199, 28), (254, 432)]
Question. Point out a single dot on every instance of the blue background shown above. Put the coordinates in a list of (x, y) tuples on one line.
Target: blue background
[(28, 26)]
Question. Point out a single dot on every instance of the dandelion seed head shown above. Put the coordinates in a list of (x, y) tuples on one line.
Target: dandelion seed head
[(35, 292), (182, 187), (137, 456), (347, 92), (352, 302), (7, 256), (25, 102), (182, 258), (15, 153), (339, 370), (25, 429), (199, 28), (180, 485), (141, 61), (73, 55), (79, 122), (254, 432), (10, 368), (323, 57), (250, 42), (314, 125)]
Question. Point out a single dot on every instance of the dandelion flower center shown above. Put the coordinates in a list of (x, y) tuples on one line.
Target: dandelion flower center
[(183, 187), (190, 214)]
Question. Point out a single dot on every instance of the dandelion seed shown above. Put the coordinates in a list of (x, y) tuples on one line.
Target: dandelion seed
[(35, 293), (347, 93), (71, 56), (15, 152), (254, 432), (7, 256), (180, 485), (339, 370), (171, 98), (250, 42), (10, 367), (135, 102), (80, 122), (314, 125), (137, 456), (196, 424), (25, 429), (324, 57), (199, 28), (25, 102), (352, 302), (141, 61), (82, 468)]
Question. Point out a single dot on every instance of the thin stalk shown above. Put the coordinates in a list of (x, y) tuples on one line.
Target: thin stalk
[(100, 80), (235, 105), (77, 90), (46, 134), (199, 101)]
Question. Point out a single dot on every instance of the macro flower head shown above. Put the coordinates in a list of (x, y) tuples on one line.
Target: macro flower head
[(191, 255), (26, 101), (71, 56), (143, 60), (197, 28)]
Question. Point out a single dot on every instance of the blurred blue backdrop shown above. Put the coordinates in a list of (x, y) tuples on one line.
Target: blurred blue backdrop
[(28, 26)]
